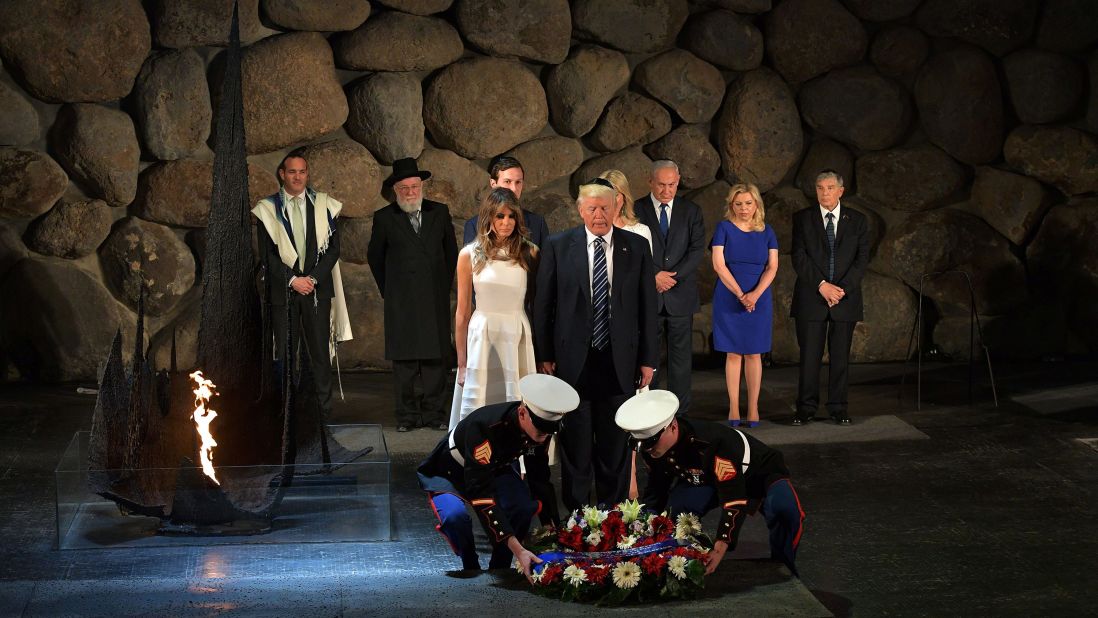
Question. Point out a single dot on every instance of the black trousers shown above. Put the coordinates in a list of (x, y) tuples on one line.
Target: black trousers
[(420, 390), (311, 326), (592, 445), (678, 330), (811, 336)]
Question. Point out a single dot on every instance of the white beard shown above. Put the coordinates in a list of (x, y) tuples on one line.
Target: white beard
[(410, 206)]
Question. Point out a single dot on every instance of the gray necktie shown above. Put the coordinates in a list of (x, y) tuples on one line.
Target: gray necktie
[(299, 231), (414, 217)]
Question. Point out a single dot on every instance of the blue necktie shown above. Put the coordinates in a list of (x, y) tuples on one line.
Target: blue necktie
[(830, 230), (664, 224), (600, 297)]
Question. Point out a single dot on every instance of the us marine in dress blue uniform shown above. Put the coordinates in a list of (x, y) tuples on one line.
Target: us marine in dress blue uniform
[(695, 467), (475, 464)]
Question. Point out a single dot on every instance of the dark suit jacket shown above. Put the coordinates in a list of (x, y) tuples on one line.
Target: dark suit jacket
[(414, 273), (680, 253), (810, 258), (535, 224), (563, 309), (317, 267)]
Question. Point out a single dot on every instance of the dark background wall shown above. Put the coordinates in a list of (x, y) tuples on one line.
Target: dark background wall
[(966, 130)]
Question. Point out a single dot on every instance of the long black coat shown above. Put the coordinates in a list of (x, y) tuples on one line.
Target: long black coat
[(810, 260), (414, 273), (563, 311), (680, 253)]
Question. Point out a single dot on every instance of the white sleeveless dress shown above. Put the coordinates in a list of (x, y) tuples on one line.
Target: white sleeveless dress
[(500, 341)]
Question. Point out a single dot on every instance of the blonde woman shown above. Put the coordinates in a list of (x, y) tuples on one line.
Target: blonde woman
[(624, 217), (745, 258), (495, 346)]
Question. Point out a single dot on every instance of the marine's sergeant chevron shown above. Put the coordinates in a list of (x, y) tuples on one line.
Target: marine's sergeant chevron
[(475, 463), (695, 467)]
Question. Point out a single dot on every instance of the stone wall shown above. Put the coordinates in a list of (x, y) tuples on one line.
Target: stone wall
[(966, 130)]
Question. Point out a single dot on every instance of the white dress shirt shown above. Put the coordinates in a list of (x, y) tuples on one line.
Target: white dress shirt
[(824, 212), (656, 205), (608, 247)]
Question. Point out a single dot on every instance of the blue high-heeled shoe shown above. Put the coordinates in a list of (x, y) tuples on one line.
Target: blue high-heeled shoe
[(734, 422), (752, 424)]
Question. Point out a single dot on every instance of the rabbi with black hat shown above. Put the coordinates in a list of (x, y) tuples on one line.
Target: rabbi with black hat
[(412, 255), (474, 464), (696, 466)]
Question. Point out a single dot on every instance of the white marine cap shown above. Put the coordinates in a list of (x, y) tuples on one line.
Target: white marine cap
[(645, 414), (548, 397)]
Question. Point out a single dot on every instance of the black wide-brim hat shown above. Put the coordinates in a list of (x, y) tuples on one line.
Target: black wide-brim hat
[(405, 168)]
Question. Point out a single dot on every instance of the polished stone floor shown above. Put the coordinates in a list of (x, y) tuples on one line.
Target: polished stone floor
[(950, 510)]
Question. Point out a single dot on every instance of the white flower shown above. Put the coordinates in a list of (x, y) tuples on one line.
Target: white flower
[(571, 523), (627, 542), (594, 538), (687, 525), (638, 526), (630, 510), (594, 516), (575, 575), (626, 575), (534, 575), (677, 566)]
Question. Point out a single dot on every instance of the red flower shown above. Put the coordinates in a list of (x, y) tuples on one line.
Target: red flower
[(653, 563), (613, 529), (551, 573), (572, 538), (596, 574), (662, 528), (644, 540)]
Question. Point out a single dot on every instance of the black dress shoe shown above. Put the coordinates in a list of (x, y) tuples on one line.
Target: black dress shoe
[(799, 420), (404, 427), (840, 418)]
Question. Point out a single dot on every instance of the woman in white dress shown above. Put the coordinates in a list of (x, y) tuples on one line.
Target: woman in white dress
[(624, 217), (495, 346)]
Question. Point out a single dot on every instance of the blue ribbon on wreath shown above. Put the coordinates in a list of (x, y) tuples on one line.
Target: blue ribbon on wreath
[(614, 555)]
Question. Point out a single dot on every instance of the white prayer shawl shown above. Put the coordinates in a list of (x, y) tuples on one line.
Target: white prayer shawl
[(322, 205)]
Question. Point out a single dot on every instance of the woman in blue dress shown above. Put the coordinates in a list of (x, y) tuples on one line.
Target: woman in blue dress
[(745, 258)]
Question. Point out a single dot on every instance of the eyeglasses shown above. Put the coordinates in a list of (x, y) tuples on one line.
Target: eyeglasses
[(408, 188), (645, 444)]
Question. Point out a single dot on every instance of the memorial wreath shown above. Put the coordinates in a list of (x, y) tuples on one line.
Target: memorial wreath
[(610, 557)]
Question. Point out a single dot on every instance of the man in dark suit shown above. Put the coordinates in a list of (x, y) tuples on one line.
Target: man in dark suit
[(412, 255), (299, 250), (830, 254), (508, 173), (595, 328), (678, 245)]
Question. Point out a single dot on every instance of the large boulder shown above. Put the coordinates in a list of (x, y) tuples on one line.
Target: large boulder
[(713, 201), (1031, 332), (179, 192), (887, 178), (1061, 156), (800, 49), (346, 171), (881, 10), (1044, 86), (88, 51), (182, 333), (884, 334), (98, 146), (354, 239), (387, 115), (62, 322), (12, 248), (998, 26), (783, 342), (759, 131), (395, 41), (1011, 203), (30, 183), (690, 148), (71, 229), (580, 87), (455, 181), (1067, 25), (418, 7), (857, 106), (960, 104), (319, 104), (726, 39), (1063, 263), (329, 16), (143, 254), (367, 314), (780, 205), (629, 120), (632, 162), (825, 154), (948, 239), (899, 50), (739, 6), (172, 101), (537, 31), (1092, 104), (559, 210), (198, 23), (458, 95), (690, 86), (19, 123), (546, 159), (630, 25)]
